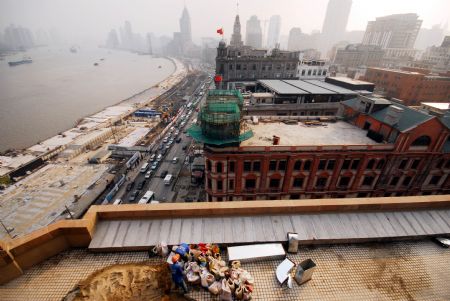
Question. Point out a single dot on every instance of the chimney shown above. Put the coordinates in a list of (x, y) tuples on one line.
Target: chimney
[(393, 115), (276, 140)]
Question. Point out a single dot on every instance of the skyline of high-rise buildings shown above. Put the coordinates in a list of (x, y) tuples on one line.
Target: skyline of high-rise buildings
[(335, 23)]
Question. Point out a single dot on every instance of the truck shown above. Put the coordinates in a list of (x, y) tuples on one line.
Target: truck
[(168, 179)]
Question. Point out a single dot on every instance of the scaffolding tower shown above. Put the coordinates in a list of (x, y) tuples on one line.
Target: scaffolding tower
[(220, 119)]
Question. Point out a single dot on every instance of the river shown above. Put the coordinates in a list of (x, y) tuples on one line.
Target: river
[(41, 99)]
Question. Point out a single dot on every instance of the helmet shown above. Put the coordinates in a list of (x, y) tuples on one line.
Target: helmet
[(175, 258)]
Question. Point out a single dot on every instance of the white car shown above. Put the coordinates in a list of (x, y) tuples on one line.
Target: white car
[(148, 174)]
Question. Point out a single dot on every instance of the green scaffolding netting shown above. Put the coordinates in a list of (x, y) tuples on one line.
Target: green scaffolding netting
[(196, 132)]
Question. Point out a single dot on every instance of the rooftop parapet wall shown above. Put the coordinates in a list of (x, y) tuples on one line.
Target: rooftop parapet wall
[(22, 253)]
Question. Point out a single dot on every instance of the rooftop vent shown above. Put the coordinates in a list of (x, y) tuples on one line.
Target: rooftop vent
[(393, 115)]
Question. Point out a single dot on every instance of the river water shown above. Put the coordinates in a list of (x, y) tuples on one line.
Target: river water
[(50, 95)]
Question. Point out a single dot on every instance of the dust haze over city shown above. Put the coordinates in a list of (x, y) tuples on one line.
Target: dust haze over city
[(197, 149)]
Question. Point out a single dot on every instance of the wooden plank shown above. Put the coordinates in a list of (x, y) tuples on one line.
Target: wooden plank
[(99, 234), (371, 225), (399, 229), (187, 230), (259, 229), (197, 230), (385, 223), (413, 222), (303, 226), (346, 227), (430, 221), (288, 226), (360, 231), (234, 230), (444, 228), (173, 238), (445, 218), (330, 223), (423, 221), (164, 230), (121, 233), (249, 231), (110, 234), (269, 234), (208, 230), (153, 233), (277, 226), (218, 230)]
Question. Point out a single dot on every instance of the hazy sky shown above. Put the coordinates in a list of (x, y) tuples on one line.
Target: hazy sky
[(94, 18)]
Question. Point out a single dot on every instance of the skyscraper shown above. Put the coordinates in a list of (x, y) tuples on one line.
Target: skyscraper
[(335, 22), (393, 31), (295, 37), (185, 26), (236, 38), (253, 33), (273, 36)]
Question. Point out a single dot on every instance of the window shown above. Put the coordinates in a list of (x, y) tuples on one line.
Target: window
[(250, 183), (447, 164), (371, 164), (209, 184), (307, 165), (274, 183), (322, 164), (208, 165), (219, 199), (247, 165), (219, 185), (406, 181), (415, 164), (422, 141), (361, 195), (330, 165), (282, 165), (297, 165), (394, 181), (346, 164), (368, 181), (344, 181), (232, 166), (219, 167), (403, 164), (321, 182), (273, 165), (256, 166), (440, 163), (355, 164), (435, 180), (298, 182), (295, 196), (380, 164), (231, 184)]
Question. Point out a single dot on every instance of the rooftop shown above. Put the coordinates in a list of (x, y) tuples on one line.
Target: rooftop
[(303, 87), (376, 271), (351, 80), (134, 137), (338, 133), (438, 105)]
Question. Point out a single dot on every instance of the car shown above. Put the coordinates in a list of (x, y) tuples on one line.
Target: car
[(148, 174), (165, 140), (164, 173), (184, 147), (178, 140), (133, 195), (175, 160), (140, 185), (130, 186), (154, 166), (159, 158)]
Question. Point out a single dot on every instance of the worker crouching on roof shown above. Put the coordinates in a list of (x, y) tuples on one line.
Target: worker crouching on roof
[(177, 273)]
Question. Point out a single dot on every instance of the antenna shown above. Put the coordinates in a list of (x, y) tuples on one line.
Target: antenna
[(237, 7)]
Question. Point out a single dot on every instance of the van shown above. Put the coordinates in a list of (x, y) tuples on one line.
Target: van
[(168, 179), (117, 202), (159, 158), (144, 167), (148, 197)]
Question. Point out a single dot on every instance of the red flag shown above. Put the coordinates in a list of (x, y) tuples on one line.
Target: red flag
[(218, 78), (220, 31)]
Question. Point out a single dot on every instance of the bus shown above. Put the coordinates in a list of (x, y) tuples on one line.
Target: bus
[(168, 179), (147, 198), (144, 167)]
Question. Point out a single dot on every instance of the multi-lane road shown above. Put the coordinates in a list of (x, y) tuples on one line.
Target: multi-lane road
[(163, 192)]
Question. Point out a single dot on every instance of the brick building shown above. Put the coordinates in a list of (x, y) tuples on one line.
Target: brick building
[(410, 87), (382, 149)]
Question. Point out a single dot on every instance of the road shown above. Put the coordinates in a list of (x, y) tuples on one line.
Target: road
[(164, 193)]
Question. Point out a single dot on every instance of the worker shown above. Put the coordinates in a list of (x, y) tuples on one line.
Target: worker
[(177, 273)]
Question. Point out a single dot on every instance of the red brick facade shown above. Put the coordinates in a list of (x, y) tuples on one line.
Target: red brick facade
[(292, 172), (411, 87)]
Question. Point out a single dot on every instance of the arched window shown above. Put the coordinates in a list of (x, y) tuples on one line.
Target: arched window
[(208, 165), (422, 141)]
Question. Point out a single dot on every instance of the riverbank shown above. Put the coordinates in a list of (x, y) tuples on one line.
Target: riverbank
[(87, 128)]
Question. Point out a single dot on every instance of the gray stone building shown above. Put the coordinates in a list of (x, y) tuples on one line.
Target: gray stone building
[(358, 55), (241, 66)]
